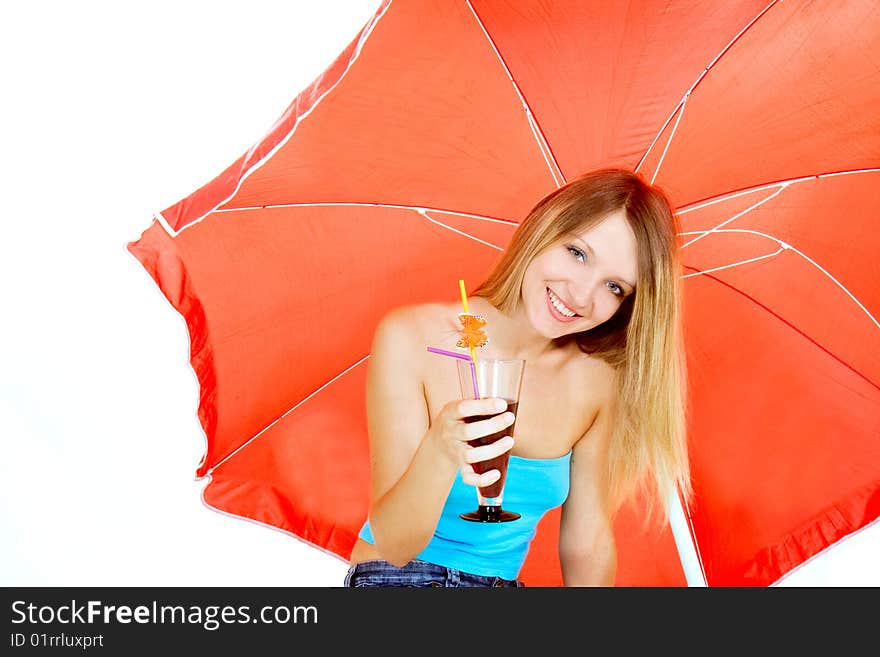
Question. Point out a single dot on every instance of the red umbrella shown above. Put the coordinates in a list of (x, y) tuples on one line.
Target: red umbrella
[(408, 164)]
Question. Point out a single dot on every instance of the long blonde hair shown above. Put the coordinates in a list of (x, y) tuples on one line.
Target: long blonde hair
[(642, 341)]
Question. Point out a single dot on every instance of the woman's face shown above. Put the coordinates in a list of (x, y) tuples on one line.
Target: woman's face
[(581, 281)]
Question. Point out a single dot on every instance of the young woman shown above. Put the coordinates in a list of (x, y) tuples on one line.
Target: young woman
[(588, 293)]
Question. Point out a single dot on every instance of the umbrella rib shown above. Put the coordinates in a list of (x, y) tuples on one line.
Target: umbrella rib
[(790, 325), (283, 415), (699, 205), (735, 264), (460, 232), (784, 246), (467, 215), (736, 216), (712, 200), (365, 34), (681, 105), (780, 187), (836, 282), (543, 146), (684, 98), (657, 136)]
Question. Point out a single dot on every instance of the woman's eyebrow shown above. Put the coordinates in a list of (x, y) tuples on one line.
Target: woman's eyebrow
[(589, 250)]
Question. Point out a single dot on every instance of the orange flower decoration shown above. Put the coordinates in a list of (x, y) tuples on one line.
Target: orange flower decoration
[(471, 331)]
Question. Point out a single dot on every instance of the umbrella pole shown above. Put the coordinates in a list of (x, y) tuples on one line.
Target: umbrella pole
[(684, 540)]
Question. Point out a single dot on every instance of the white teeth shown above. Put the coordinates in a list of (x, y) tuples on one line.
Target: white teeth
[(559, 305)]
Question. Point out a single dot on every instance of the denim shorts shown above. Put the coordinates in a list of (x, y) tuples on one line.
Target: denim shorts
[(418, 574)]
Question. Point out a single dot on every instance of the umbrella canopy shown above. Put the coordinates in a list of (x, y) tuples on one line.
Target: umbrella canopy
[(410, 161)]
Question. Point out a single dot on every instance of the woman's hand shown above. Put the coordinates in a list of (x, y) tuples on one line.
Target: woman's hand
[(464, 420)]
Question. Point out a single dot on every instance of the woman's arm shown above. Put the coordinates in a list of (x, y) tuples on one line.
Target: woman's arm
[(587, 551), (414, 463)]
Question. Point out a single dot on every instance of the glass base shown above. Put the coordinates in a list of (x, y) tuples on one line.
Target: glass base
[(490, 514)]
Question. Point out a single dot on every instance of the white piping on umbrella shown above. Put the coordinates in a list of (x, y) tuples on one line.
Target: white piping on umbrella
[(784, 246), (266, 525), (729, 45), (282, 416), (393, 206), (694, 86), (837, 282), (735, 264), (751, 190), (840, 541), (161, 219), (681, 105), (356, 54), (736, 216), (846, 173), (462, 233), (552, 165), (657, 136)]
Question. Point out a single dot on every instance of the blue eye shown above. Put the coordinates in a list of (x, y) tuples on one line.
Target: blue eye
[(581, 256), (577, 253)]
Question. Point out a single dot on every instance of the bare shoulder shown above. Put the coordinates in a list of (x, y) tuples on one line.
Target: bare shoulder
[(415, 322), (405, 332), (420, 324), (601, 375), (604, 378), (597, 382), (417, 313)]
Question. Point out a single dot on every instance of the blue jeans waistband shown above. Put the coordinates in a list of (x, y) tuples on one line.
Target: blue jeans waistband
[(419, 574)]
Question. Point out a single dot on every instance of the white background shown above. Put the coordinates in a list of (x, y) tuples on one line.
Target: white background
[(112, 111)]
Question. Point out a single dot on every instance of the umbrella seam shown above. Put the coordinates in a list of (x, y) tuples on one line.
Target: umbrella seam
[(466, 215), (700, 77), (735, 264), (789, 324), (736, 216), (283, 415), (784, 246), (365, 34), (712, 200), (534, 126), (460, 232), (681, 109)]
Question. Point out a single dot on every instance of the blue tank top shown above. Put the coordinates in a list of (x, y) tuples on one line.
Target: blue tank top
[(532, 487)]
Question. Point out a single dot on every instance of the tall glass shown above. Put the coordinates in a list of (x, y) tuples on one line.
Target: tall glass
[(501, 378)]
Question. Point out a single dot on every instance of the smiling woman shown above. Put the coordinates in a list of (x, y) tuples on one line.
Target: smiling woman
[(91, 182), (632, 227), (577, 285), (601, 411)]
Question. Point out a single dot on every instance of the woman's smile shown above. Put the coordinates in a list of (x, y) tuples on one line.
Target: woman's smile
[(558, 308), (580, 281)]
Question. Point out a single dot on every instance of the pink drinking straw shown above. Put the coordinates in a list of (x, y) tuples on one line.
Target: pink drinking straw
[(443, 352)]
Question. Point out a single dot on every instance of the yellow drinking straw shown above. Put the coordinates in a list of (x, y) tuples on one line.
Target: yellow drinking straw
[(464, 304)]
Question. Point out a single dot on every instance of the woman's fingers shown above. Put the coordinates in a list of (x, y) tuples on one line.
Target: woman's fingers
[(464, 408), (472, 478), (473, 430), (486, 452)]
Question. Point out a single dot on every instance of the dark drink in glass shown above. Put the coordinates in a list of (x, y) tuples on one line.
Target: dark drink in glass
[(491, 378), (499, 462)]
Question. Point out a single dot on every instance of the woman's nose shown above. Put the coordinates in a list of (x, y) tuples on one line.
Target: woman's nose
[(582, 297)]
